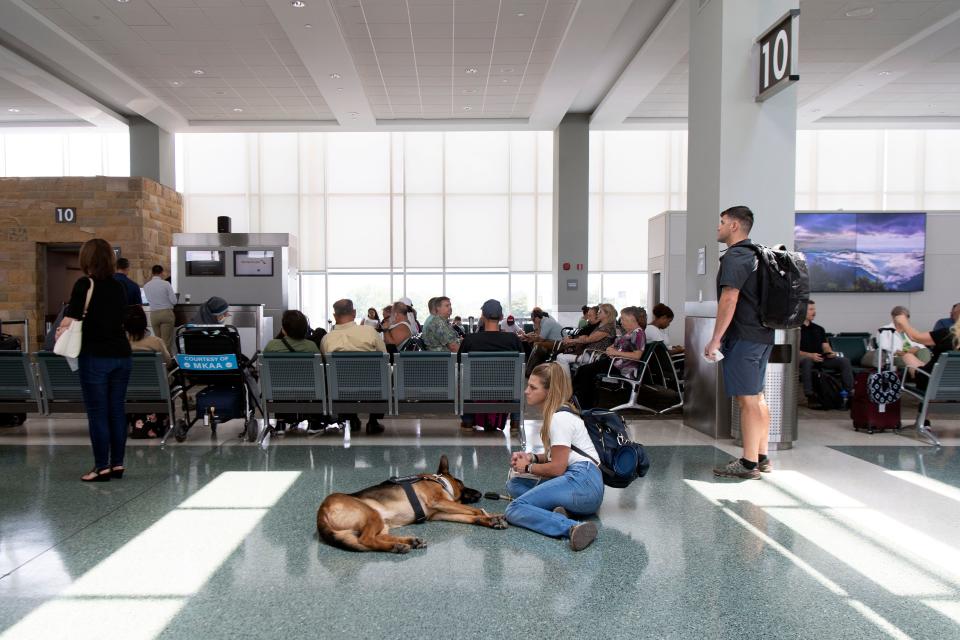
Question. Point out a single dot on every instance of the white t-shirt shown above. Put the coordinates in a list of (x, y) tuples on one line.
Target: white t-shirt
[(656, 334), (370, 322), (566, 429)]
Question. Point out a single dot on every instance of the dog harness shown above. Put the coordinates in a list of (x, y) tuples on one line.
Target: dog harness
[(407, 482)]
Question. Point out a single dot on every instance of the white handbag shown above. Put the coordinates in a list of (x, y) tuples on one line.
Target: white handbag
[(68, 344)]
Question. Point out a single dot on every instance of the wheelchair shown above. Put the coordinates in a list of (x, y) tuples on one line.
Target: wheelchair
[(211, 363)]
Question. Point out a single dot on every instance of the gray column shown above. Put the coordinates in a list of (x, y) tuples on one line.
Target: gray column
[(151, 152), (740, 152), (571, 175)]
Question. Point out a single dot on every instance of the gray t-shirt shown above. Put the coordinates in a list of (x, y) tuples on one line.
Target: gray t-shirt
[(549, 329), (738, 270)]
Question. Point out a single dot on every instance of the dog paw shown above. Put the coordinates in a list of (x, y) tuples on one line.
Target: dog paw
[(400, 548), (498, 522), (419, 543)]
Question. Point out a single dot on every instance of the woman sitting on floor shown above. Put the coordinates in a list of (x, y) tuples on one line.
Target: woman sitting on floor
[(547, 489)]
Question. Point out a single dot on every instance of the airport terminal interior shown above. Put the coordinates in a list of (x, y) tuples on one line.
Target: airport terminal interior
[(536, 164)]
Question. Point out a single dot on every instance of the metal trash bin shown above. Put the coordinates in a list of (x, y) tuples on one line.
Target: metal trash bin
[(780, 389)]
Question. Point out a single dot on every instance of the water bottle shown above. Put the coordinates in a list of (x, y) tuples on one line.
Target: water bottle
[(844, 397)]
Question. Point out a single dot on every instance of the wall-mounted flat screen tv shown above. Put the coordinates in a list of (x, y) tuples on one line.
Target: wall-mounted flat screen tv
[(863, 251)]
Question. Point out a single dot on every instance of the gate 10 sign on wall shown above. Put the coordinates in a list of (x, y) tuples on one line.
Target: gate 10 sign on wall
[(777, 56), (65, 215)]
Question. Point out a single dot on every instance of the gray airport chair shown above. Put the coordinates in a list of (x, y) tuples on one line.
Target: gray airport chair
[(19, 394), (943, 391), (59, 385), (425, 382), (492, 382), (656, 373), (292, 383), (149, 388), (358, 382)]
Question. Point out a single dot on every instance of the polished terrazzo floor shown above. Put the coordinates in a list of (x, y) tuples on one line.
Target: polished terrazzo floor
[(853, 536)]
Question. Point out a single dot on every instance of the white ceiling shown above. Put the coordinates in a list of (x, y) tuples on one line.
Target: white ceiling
[(440, 64)]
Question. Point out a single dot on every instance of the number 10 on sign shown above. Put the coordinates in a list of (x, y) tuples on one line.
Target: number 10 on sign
[(778, 56)]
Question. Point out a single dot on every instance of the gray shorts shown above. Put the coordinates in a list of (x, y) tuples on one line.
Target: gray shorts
[(744, 366)]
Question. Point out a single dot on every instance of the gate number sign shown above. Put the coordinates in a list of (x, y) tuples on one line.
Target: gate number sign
[(65, 215), (778, 56)]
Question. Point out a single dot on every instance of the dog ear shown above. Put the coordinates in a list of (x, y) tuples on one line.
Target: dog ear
[(444, 465)]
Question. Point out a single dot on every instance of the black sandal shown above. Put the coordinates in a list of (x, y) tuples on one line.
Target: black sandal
[(100, 475), (116, 471)]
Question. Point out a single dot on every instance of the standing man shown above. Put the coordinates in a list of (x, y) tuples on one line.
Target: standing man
[(744, 342), (162, 300), (130, 288)]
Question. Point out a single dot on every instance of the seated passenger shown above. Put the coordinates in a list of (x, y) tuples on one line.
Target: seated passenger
[(905, 353), (598, 339), (946, 323), (438, 335), (347, 335), (816, 353), (213, 311), (509, 324), (399, 329), (626, 351), (939, 341), (387, 318), (293, 335), (583, 320), (656, 331), (431, 312), (490, 339), (457, 325), (145, 425), (372, 319), (547, 335), (550, 490)]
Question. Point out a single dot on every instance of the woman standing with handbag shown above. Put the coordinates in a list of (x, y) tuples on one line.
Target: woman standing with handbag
[(99, 302)]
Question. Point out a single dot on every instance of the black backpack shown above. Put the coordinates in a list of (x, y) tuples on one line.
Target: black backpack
[(621, 460), (784, 286), (828, 390)]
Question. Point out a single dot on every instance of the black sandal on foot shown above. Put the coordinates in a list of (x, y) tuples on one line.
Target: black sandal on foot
[(99, 475), (117, 471)]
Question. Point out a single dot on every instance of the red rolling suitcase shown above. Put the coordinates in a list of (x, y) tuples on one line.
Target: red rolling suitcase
[(864, 410)]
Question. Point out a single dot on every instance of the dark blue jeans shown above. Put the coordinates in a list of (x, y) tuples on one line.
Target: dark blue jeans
[(104, 384)]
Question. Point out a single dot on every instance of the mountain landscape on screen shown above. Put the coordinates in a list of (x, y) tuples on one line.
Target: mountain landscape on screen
[(863, 251)]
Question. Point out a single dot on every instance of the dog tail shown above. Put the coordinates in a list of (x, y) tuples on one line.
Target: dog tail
[(342, 538)]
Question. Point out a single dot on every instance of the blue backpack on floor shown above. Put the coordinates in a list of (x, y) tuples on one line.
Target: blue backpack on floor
[(621, 460)]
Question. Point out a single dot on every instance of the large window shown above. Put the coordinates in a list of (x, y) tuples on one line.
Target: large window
[(35, 153), (380, 216)]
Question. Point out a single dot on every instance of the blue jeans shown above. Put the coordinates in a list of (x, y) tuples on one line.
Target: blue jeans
[(104, 385), (579, 490)]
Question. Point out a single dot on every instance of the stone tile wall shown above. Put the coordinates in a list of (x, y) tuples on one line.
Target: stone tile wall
[(136, 214)]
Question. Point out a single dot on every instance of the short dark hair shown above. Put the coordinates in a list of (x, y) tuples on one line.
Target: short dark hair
[(135, 322), (810, 302), (584, 308), (97, 259), (294, 324), (741, 214), (439, 300), (343, 307), (156, 269), (431, 305), (123, 263), (661, 310)]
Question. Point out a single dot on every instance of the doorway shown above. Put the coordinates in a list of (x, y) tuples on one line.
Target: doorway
[(59, 269)]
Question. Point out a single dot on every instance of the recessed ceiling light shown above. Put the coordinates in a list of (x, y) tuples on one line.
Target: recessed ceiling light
[(308, 26), (506, 69), (860, 12), (504, 81), (13, 110), (123, 1), (220, 93), (175, 83), (468, 108), (198, 72), (520, 14), (335, 76), (471, 70), (237, 110), (468, 91), (884, 73), (339, 88), (299, 4), (354, 114), (815, 110)]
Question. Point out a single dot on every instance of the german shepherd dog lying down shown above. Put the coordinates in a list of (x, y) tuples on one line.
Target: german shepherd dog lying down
[(361, 521)]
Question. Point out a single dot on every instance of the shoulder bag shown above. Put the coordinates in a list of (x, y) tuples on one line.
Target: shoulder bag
[(69, 342)]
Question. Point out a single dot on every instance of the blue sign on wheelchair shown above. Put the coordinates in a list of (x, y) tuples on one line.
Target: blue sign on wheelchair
[(224, 362)]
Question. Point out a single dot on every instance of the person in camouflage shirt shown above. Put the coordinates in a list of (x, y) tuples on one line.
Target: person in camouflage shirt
[(438, 335)]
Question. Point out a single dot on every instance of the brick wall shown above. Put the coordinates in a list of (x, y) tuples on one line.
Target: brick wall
[(136, 214)]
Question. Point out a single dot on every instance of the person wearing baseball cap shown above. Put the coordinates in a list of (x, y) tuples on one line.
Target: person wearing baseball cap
[(490, 339), (509, 324)]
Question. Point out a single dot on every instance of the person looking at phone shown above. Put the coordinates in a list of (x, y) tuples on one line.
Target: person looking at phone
[(816, 353)]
